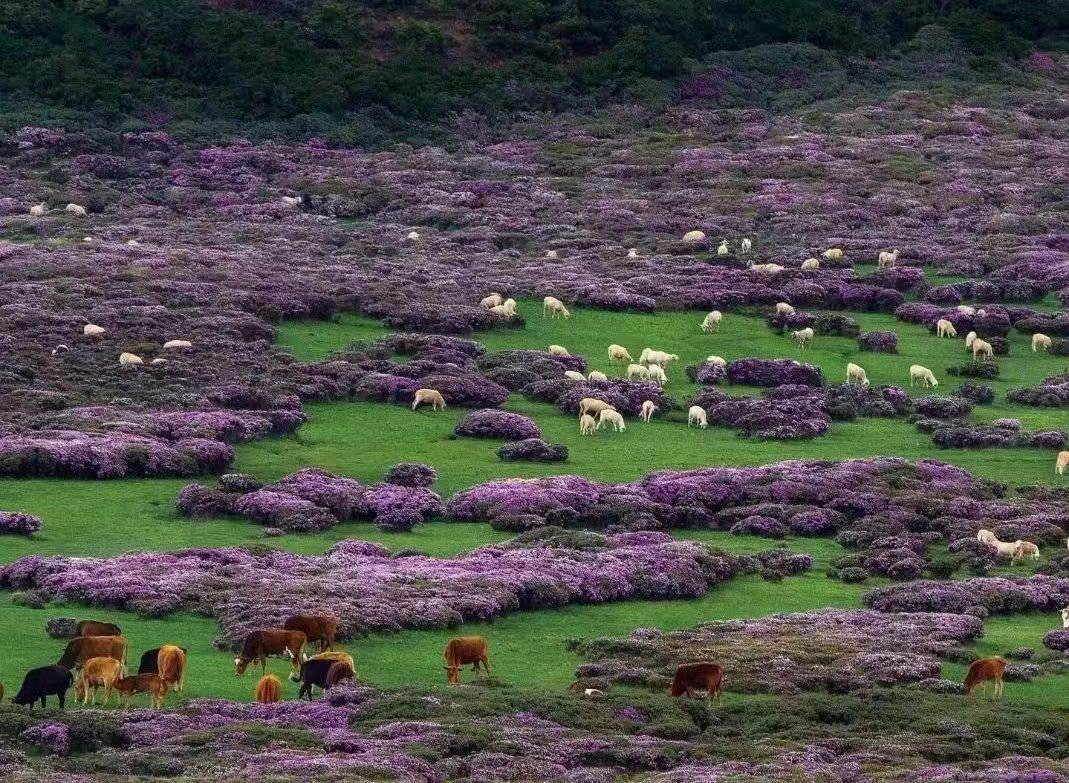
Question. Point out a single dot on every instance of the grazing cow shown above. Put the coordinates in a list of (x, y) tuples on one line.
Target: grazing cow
[(701, 677), (268, 689), (985, 669), (42, 682), (463, 650), (317, 627), (98, 673), (259, 645), (97, 628), (335, 655), (82, 648), (127, 687), (322, 674), (171, 666)]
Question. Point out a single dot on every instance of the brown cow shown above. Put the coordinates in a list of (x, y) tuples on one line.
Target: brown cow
[(171, 666), (984, 669), (96, 673), (462, 650), (142, 683), (692, 678), (268, 689), (97, 628), (317, 627), (82, 648), (258, 645)]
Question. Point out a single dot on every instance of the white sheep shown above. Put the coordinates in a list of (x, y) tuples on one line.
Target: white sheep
[(1025, 549), (133, 243), (613, 417), (412, 236), (1041, 341), (712, 321), (746, 244), (573, 375), (558, 350), (832, 254), (552, 254), (431, 397), (292, 201), (650, 356), (632, 252), (803, 337), (696, 417), (1059, 465), (986, 536), (158, 361), (94, 331), (719, 361), (39, 210), (966, 310), (657, 375), (694, 236), (766, 269), (810, 264), (1065, 611), (782, 308), (982, 348), (492, 300), (921, 375), (175, 344), (76, 209), (722, 248), (617, 353), (944, 328), (554, 307), (593, 405), (970, 338), (587, 424), (887, 260), (510, 306), (647, 410), (637, 372), (127, 359), (503, 311), (60, 349), (855, 373), (981, 313)]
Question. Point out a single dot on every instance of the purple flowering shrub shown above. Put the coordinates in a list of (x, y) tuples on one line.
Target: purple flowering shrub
[(494, 423), (14, 523), (533, 450), (51, 738), (706, 373), (400, 507), (411, 474), (995, 595), (1053, 392), (773, 372), (274, 508), (878, 342)]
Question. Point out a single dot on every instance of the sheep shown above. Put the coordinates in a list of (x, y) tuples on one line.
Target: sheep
[(60, 349), (38, 210), (133, 243), (657, 375), (647, 411), (782, 308), (981, 313), (492, 300), (92, 330), (986, 536), (502, 310), (617, 353), (1040, 341), (1059, 466), (510, 306), (173, 344), (887, 260), (650, 356), (810, 264), (552, 254), (1025, 549), (596, 375), (922, 375), (573, 375), (694, 236), (969, 339), (611, 416), (637, 372), (746, 244), (127, 359), (832, 254), (558, 350), (158, 361), (431, 397), (292, 201), (719, 361), (712, 322), (944, 328), (766, 269), (722, 248), (1065, 611), (803, 337), (593, 405), (632, 252), (553, 307), (856, 374), (587, 424), (982, 348), (966, 310), (1005, 548), (696, 417), (76, 209), (413, 236)]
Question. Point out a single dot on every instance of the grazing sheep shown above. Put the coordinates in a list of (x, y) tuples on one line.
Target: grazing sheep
[(803, 337), (173, 344), (657, 375), (503, 310), (632, 252), (832, 254), (1040, 341), (1005, 548), (966, 310), (38, 210), (127, 359), (722, 248), (1059, 467), (887, 260), (647, 411), (611, 416), (986, 536), (552, 254), (572, 375), (719, 361), (61, 348), (637, 372), (782, 308), (696, 417), (76, 209), (617, 353), (650, 356), (493, 300), (1065, 611), (981, 313), (558, 350), (746, 244), (766, 269), (694, 236), (970, 338), (92, 330), (982, 348), (587, 424), (921, 375), (292, 201), (856, 374), (597, 375), (943, 328), (553, 307), (810, 263), (1025, 549), (593, 405), (157, 361), (431, 397), (510, 306), (413, 236), (712, 322)]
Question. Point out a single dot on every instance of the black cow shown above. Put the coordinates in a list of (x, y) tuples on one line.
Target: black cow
[(150, 663), (322, 674), (42, 682)]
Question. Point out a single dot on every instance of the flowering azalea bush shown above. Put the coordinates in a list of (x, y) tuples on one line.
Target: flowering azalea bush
[(878, 342), (19, 524), (493, 423)]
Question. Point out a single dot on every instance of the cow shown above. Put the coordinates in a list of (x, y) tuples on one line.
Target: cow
[(334, 655), (261, 644), (268, 689), (42, 682), (141, 683), (82, 648), (150, 663), (171, 666), (462, 650), (98, 673), (984, 669), (692, 678), (322, 674), (97, 628), (317, 627)]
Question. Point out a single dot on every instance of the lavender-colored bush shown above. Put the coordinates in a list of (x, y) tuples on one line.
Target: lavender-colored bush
[(494, 423), (14, 523), (773, 372), (411, 474), (533, 450), (878, 342)]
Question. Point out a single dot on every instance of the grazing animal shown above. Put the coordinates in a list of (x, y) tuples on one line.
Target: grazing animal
[(966, 310), (292, 201), (76, 209), (38, 210), (551, 254), (597, 375), (127, 359), (692, 678), (268, 690), (430, 397), (856, 374), (82, 648), (150, 661), (746, 244), (510, 306), (944, 328), (319, 628), (636, 372), (722, 248), (657, 375), (171, 345), (97, 628), (266, 642), (462, 650), (810, 264), (587, 424), (712, 322), (650, 356), (985, 669), (697, 417), (832, 254), (171, 666), (647, 410), (412, 236), (617, 353), (766, 269), (922, 375), (694, 236), (317, 673), (613, 417), (493, 300), (970, 338), (1005, 548), (982, 348), (42, 682), (719, 361), (887, 260), (803, 337), (502, 310), (127, 687), (98, 673), (554, 308), (1060, 462), (632, 252), (61, 348), (574, 375), (1025, 549), (558, 350), (92, 330), (593, 405), (783, 308), (986, 536), (1040, 341), (335, 655), (1065, 617)]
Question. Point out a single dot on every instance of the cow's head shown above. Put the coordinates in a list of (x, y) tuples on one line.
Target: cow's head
[(239, 666), (452, 674)]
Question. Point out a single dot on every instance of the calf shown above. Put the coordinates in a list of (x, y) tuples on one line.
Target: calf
[(42, 682), (141, 683), (171, 666), (98, 673), (698, 677), (82, 648), (259, 645), (268, 689), (463, 650), (317, 627), (97, 628), (322, 673), (985, 669)]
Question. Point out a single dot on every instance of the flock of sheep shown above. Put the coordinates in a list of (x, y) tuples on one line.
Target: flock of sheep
[(126, 358)]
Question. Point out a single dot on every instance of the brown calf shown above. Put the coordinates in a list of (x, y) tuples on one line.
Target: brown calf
[(259, 645), (171, 666), (985, 669), (97, 628), (317, 627), (82, 648), (141, 683), (96, 673), (463, 650), (268, 689), (698, 677)]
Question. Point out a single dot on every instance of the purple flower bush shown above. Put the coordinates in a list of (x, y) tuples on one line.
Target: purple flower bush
[(494, 423), (533, 450), (1053, 392), (14, 523), (706, 373), (878, 342), (773, 372), (996, 595), (51, 738), (400, 507), (411, 474)]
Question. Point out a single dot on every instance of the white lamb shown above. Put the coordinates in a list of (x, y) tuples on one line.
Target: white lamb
[(613, 417), (856, 374), (572, 375), (637, 372), (722, 248), (832, 254), (60, 349), (1041, 341), (982, 348), (887, 260), (766, 269), (647, 411), (76, 209), (510, 306), (970, 338), (712, 322), (558, 350), (632, 252), (694, 236), (94, 331), (554, 307), (657, 375), (503, 311), (292, 201), (493, 300), (175, 344), (803, 337), (431, 397), (696, 417), (39, 210), (810, 264), (650, 356), (593, 405), (587, 424), (782, 308), (552, 254), (127, 359), (966, 310), (944, 328), (596, 375), (1065, 613), (986, 536), (922, 375), (413, 236), (746, 244), (719, 361), (617, 353), (1059, 466)]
